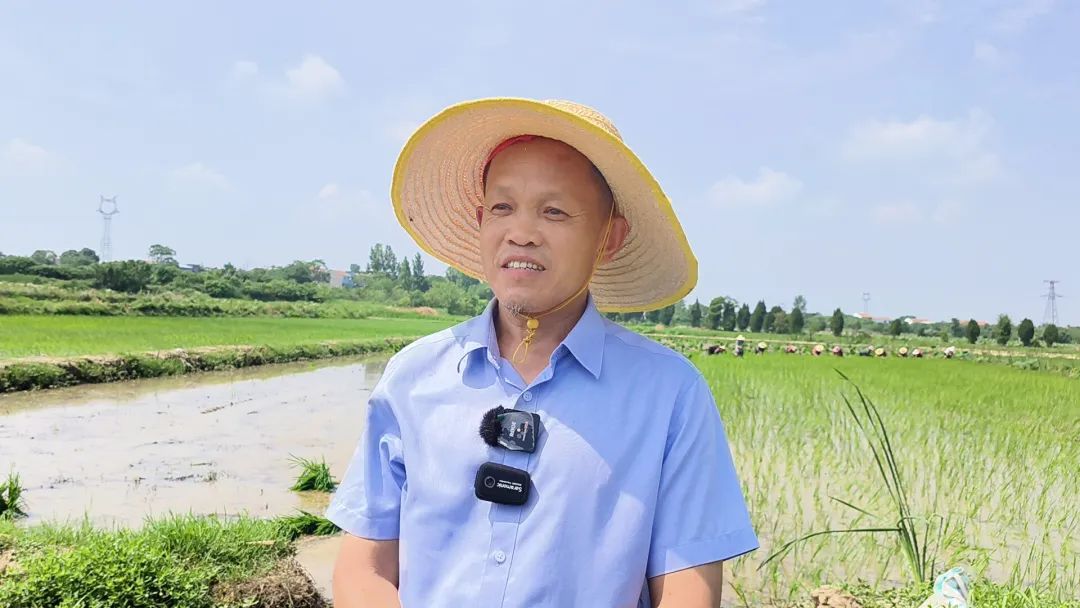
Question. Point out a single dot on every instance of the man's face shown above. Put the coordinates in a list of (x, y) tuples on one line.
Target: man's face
[(544, 208)]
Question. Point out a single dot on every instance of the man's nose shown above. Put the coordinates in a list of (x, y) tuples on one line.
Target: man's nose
[(523, 230)]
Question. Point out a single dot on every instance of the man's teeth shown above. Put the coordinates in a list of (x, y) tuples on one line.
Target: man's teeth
[(523, 265)]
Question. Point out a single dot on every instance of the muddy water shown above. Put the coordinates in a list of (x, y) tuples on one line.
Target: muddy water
[(205, 443)]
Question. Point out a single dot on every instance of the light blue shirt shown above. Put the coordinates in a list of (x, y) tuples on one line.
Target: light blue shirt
[(632, 475)]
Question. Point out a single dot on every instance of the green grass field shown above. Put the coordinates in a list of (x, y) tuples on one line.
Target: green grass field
[(64, 336), (992, 450)]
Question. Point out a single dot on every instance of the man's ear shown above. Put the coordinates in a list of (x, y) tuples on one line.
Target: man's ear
[(620, 229), (479, 215)]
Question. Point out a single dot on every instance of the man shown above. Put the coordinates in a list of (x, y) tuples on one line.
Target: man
[(631, 497)]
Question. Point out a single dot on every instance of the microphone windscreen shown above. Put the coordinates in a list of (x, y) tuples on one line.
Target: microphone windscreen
[(490, 427)]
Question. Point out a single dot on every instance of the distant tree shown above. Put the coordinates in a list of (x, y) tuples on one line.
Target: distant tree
[(461, 279), (799, 305), (682, 314), (405, 275), (165, 274), (83, 257), (896, 327), (695, 314), (375, 259), (716, 312), (1050, 334), (382, 260), (972, 331), (653, 316), (770, 318), (390, 263), (299, 272), (757, 318), (69, 258), (955, 329), (743, 317), (354, 269), (131, 276), (667, 313), (160, 254), (1003, 331), (44, 256), (781, 322), (420, 280), (836, 324), (1026, 332), (796, 319), (727, 316), (320, 273)]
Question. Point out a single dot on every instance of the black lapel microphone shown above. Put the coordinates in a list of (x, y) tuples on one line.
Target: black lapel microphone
[(514, 430)]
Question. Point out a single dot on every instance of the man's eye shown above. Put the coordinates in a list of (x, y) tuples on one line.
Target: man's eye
[(500, 208), (554, 212)]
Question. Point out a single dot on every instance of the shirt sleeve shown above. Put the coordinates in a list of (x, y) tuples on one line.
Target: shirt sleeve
[(367, 503), (701, 514)]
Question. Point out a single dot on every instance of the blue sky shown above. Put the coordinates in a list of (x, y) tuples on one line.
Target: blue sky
[(923, 151)]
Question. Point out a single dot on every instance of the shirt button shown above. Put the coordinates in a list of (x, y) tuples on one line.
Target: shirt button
[(499, 556), (527, 396)]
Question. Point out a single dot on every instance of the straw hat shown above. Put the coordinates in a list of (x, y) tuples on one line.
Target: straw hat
[(438, 184)]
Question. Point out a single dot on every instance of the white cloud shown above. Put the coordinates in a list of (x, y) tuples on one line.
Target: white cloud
[(735, 7), (328, 191), (200, 175), (245, 69), (20, 157), (1019, 16), (898, 213), (923, 11), (314, 79), (956, 151), (769, 187), (988, 54), (950, 211)]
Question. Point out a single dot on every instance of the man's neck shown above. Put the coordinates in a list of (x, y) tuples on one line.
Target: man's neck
[(510, 330)]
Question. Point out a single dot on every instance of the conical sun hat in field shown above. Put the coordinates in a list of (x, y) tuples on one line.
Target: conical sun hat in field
[(438, 184)]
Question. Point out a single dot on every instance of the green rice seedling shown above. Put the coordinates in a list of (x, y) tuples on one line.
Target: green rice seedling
[(314, 476), (12, 503), (918, 536), (305, 524)]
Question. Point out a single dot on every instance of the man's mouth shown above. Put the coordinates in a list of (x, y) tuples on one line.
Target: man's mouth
[(523, 265)]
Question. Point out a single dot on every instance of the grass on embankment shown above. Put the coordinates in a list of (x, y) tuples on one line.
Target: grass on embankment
[(31, 375), (72, 336), (180, 561)]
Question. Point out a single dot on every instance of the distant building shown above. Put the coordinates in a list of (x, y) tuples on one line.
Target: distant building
[(865, 316), (341, 278)]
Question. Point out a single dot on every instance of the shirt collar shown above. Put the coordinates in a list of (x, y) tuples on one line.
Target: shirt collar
[(585, 341)]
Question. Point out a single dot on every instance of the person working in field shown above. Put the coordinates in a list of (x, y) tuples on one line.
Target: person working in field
[(539, 455)]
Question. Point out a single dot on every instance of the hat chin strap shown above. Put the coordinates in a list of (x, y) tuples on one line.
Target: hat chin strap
[(532, 322)]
